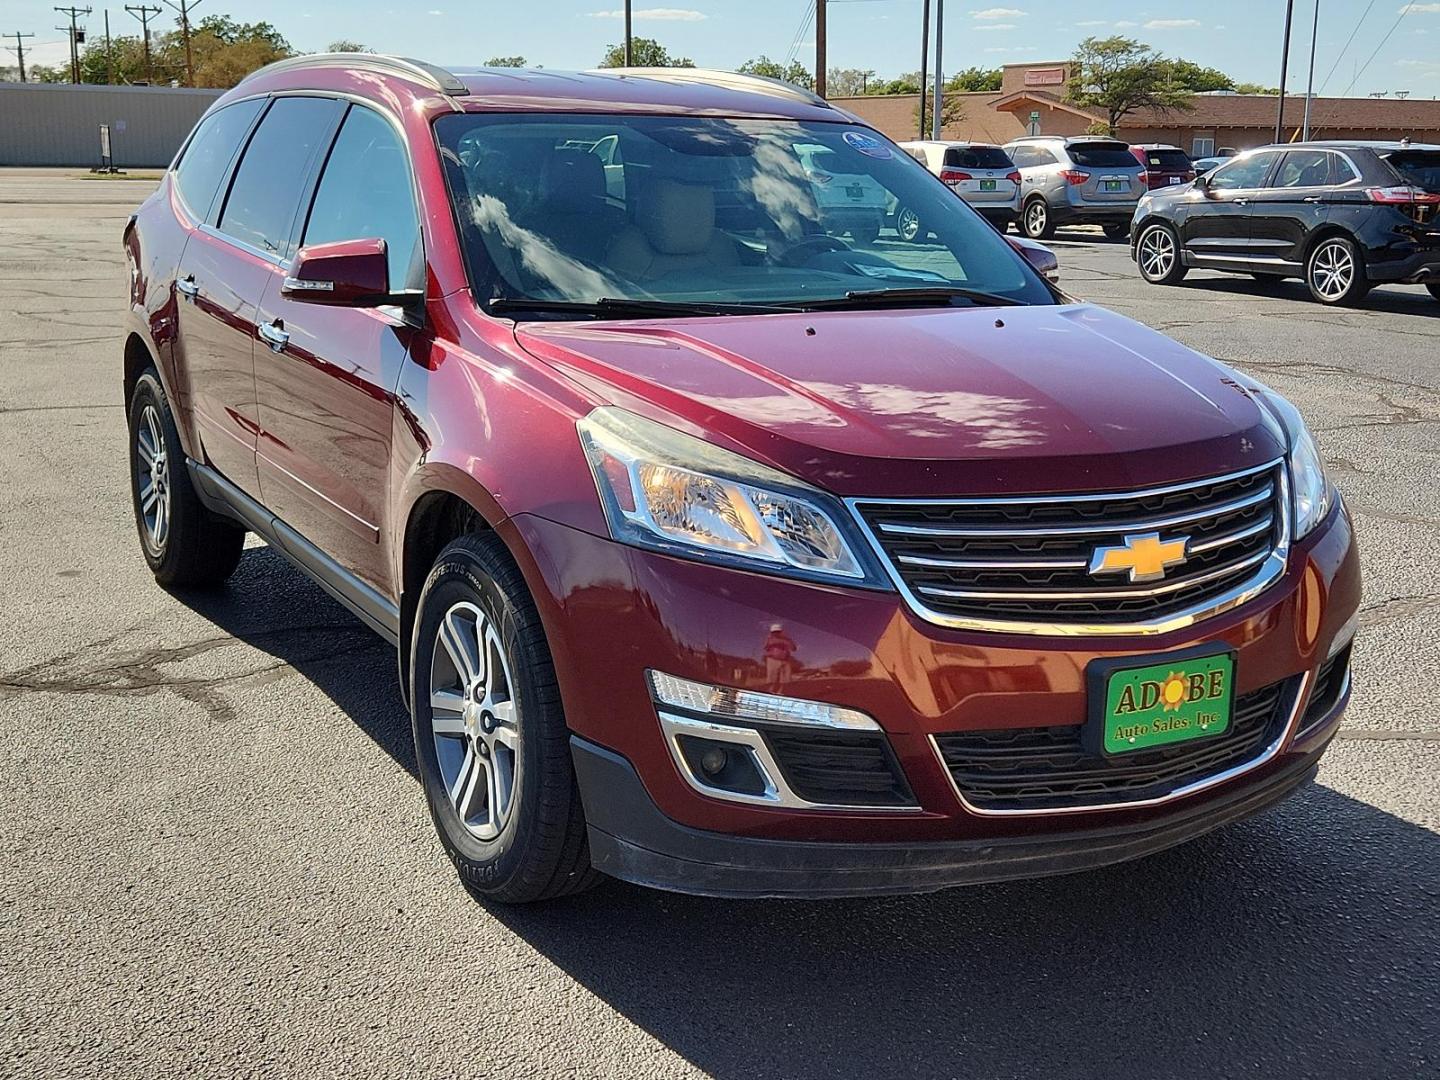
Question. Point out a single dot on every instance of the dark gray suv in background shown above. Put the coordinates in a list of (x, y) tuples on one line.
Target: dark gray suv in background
[(1076, 180)]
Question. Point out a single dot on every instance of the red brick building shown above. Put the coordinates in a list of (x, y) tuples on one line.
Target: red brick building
[(1034, 93)]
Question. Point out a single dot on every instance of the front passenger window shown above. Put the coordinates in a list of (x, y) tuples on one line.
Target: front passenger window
[(1244, 172), (366, 192)]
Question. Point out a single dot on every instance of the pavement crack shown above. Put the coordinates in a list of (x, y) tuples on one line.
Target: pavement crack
[(1397, 607)]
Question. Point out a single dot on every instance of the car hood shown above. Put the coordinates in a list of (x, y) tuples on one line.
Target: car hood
[(930, 402)]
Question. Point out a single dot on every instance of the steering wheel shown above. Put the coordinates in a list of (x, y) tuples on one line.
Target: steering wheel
[(800, 252)]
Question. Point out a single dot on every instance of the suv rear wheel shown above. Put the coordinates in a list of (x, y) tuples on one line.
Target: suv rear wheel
[(183, 543), (1157, 254), (1335, 272), (491, 742), (1036, 220)]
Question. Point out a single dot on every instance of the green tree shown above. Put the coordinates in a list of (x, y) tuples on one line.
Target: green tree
[(794, 73), (1118, 75), (345, 45), (952, 111), (644, 52), (124, 61), (1194, 78), (1256, 88), (225, 51), (903, 84), (974, 79), (506, 61)]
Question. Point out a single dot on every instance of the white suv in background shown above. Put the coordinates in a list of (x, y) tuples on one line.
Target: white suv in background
[(980, 173)]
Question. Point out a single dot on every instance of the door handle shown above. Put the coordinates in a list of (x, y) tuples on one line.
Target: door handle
[(188, 288), (1242, 202), (1312, 198), (275, 335)]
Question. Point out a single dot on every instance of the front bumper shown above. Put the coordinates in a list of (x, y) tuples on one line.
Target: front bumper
[(613, 612)]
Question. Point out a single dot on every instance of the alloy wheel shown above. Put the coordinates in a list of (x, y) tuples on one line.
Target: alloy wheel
[(152, 466), (1332, 269), (1157, 253), (474, 720), (1035, 215), (907, 224)]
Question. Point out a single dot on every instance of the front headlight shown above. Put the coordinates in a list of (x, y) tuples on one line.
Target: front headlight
[(665, 490), (1310, 487)]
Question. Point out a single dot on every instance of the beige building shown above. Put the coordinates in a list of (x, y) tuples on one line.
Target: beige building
[(1031, 97)]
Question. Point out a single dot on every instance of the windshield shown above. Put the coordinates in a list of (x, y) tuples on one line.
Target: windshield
[(1418, 167), (1103, 156), (576, 209)]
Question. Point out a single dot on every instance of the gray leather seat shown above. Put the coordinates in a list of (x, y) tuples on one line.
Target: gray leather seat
[(675, 231)]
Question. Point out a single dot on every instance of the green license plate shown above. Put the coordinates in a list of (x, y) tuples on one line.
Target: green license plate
[(987, 185), (1115, 185), (1173, 701)]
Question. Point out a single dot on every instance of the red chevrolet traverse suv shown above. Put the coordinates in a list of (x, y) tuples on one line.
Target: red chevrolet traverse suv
[(724, 551)]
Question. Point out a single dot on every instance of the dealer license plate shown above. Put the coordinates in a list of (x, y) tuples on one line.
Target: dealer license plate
[(1169, 702), (1116, 185), (855, 191), (987, 185)]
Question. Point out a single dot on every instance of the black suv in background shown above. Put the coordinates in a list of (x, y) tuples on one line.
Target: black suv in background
[(1344, 216)]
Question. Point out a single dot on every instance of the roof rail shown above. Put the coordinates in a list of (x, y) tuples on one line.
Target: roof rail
[(435, 77), (734, 80)]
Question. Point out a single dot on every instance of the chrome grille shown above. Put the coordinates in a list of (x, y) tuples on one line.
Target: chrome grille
[(1023, 563)]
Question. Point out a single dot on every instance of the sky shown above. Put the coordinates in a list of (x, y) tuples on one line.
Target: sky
[(1363, 46)]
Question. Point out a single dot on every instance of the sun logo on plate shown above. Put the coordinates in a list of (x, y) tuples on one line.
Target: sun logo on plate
[(1173, 691)]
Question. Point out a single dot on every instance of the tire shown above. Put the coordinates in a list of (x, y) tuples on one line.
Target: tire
[(1117, 231), (1335, 272), (507, 731), (907, 225), (1157, 255), (184, 544), (1433, 288), (1035, 220)]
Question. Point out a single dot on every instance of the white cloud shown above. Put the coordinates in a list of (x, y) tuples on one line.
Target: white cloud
[(1092, 22), (434, 13), (1420, 9), (1172, 24), (659, 14), (1125, 24), (996, 26), (999, 13)]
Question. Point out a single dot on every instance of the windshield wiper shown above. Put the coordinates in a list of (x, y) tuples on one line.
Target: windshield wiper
[(918, 296), (619, 307)]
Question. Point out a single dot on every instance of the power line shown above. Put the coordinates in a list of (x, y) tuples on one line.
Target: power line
[(800, 32), (1403, 12), (1360, 22), (144, 12), (19, 49), (184, 7), (77, 35)]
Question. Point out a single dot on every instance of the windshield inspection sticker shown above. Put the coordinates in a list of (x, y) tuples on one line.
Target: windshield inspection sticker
[(867, 144)]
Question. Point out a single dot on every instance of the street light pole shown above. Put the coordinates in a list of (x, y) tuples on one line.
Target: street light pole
[(935, 118), (820, 58), (924, 60), (629, 55), (1310, 82), (1284, 63)]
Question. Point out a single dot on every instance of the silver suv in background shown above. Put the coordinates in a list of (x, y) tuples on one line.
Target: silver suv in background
[(980, 173), (1076, 180)]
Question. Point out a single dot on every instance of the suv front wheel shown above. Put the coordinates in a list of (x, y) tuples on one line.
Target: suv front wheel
[(1157, 254), (1036, 220), (491, 742)]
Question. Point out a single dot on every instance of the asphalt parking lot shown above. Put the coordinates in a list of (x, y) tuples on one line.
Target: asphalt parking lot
[(215, 858)]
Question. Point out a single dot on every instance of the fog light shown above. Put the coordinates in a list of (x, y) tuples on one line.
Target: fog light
[(712, 762), (729, 703), (730, 770)]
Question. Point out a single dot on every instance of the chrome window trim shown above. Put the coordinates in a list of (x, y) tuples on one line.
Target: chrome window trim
[(1281, 741), (777, 792), (1269, 572)]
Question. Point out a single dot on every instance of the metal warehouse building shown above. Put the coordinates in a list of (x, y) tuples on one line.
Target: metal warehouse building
[(59, 124)]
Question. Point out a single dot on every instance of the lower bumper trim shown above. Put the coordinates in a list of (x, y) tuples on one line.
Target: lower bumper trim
[(631, 839)]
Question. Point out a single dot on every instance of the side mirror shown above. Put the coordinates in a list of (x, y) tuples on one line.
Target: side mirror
[(346, 273), (1040, 257), (1202, 183)]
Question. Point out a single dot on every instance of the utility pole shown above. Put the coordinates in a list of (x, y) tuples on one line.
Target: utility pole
[(77, 36), (109, 53), (629, 55), (820, 47), (924, 59), (184, 7), (935, 118), (19, 50), (1310, 82), (143, 13), (1284, 63)]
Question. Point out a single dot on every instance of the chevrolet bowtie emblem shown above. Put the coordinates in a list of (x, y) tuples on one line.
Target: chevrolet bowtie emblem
[(1145, 555)]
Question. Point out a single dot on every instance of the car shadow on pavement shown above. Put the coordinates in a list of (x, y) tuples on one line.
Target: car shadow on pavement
[(269, 604), (1381, 300), (1301, 943)]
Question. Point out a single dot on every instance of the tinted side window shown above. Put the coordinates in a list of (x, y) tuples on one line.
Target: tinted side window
[(1341, 171), (1041, 156), (261, 205), (1303, 168), (210, 152), (1246, 172), (366, 192)]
